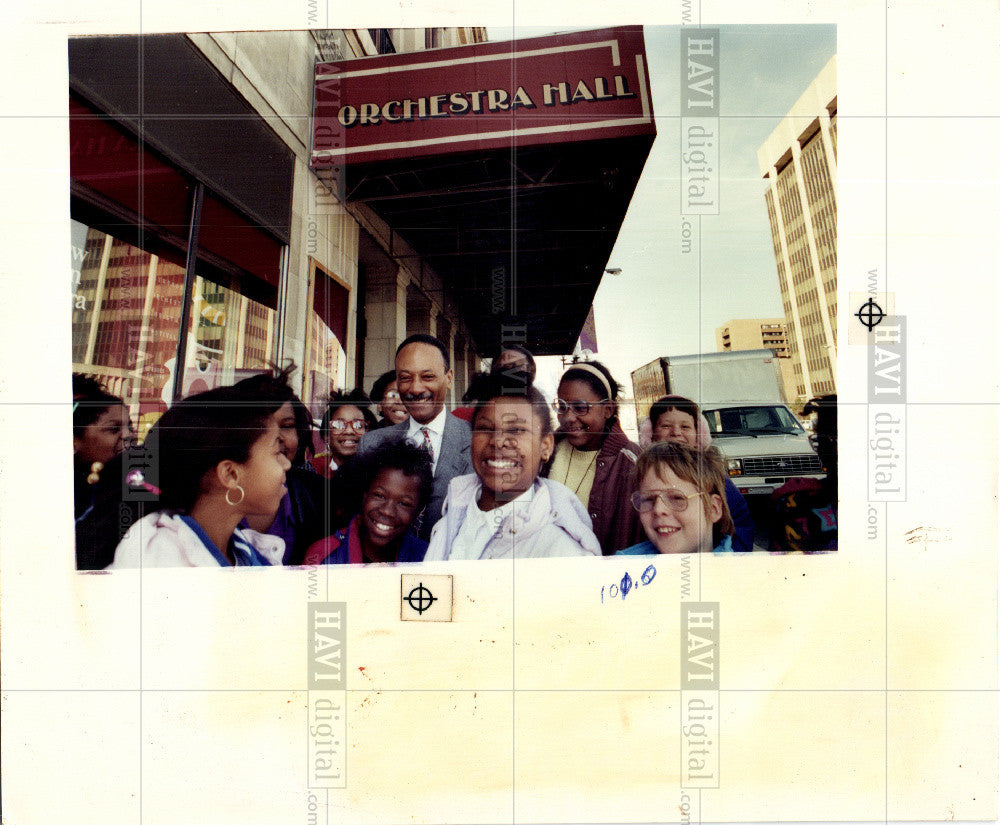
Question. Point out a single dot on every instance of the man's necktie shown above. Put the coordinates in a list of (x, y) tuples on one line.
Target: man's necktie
[(427, 443)]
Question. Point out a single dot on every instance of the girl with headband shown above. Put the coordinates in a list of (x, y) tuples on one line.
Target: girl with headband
[(503, 509), (593, 456)]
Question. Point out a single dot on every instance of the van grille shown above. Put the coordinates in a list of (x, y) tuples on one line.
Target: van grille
[(782, 465)]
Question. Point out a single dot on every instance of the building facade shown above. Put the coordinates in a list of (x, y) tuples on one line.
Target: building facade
[(240, 200), (284, 270), (754, 333), (799, 163)]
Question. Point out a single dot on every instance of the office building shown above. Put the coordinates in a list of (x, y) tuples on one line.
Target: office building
[(799, 163), (754, 333)]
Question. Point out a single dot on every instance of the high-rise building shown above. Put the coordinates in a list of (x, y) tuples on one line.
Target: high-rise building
[(760, 333), (799, 163), (754, 333)]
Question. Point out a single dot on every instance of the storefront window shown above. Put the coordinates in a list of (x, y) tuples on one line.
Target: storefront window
[(126, 316), (133, 211), (126, 326), (233, 337)]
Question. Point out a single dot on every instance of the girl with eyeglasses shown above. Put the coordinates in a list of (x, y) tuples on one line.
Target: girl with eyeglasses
[(347, 418), (593, 456), (680, 497)]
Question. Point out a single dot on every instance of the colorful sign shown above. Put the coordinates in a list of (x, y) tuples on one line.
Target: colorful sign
[(563, 88)]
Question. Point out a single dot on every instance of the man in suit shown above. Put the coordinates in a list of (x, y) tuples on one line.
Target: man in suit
[(424, 376)]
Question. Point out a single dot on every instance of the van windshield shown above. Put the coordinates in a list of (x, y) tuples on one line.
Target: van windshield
[(755, 421)]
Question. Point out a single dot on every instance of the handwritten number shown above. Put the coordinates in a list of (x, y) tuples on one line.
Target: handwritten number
[(626, 585)]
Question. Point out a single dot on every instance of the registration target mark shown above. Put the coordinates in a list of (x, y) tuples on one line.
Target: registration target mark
[(425, 598), (420, 598), (870, 314)]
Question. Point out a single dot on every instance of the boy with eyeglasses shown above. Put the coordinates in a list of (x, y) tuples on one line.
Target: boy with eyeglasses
[(681, 501)]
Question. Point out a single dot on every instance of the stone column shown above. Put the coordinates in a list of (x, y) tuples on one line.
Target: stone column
[(419, 315), (385, 319), (460, 364)]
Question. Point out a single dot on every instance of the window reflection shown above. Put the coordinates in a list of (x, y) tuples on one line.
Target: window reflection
[(126, 325)]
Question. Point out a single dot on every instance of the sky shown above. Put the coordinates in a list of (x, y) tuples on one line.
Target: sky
[(673, 308)]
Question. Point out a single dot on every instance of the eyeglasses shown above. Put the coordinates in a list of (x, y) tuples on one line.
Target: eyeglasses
[(358, 425), (672, 498), (578, 407)]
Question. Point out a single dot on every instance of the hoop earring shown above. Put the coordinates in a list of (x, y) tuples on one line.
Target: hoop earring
[(95, 472), (242, 495)]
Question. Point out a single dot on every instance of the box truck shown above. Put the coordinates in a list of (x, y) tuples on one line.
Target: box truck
[(741, 396)]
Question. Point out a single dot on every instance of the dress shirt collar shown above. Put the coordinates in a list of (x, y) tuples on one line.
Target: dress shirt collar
[(435, 426)]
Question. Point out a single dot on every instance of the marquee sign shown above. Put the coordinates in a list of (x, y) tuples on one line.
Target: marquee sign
[(568, 87)]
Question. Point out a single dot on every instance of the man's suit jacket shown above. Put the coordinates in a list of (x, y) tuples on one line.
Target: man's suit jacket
[(453, 461)]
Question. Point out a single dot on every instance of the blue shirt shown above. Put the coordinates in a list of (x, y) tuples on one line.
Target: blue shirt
[(337, 548), (647, 548), (244, 554)]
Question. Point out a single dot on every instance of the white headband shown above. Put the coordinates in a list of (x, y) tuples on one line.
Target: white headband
[(589, 368)]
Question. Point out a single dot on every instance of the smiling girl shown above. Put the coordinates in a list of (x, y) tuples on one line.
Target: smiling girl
[(346, 419), (396, 479), (300, 518), (388, 404), (593, 456), (505, 509), (220, 460)]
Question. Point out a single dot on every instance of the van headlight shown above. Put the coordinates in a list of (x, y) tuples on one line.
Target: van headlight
[(734, 467)]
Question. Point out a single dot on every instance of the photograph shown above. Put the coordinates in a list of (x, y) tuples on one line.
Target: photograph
[(437, 237)]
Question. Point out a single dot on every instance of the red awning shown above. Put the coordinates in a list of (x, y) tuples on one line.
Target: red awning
[(507, 167)]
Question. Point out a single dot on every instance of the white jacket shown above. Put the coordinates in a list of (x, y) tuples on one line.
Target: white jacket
[(551, 522), (163, 539)]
